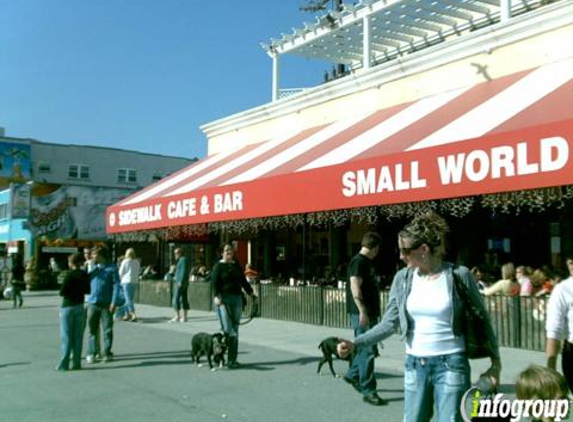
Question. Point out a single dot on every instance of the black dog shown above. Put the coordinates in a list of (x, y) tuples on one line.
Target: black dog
[(328, 348), (212, 345)]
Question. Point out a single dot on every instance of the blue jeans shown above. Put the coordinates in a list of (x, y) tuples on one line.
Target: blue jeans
[(180, 300), (232, 304), (72, 336), (438, 381), (362, 368), (129, 293), (97, 313)]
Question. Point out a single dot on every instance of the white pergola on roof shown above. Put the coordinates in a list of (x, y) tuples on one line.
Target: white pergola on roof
[(374, 31)]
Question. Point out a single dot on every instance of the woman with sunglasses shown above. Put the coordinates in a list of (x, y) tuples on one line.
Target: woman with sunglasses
[(423, 305)]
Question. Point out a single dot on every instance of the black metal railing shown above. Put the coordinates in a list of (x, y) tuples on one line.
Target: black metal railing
[(518, 322)]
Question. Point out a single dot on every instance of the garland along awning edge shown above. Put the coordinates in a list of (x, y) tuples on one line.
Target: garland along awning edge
[(534, 200)]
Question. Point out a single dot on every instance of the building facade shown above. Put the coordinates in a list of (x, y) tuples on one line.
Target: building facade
[(54, 196), (458, 108)]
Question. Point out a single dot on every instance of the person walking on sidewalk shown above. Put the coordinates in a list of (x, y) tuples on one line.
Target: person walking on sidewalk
[(228, 283), (17, 281), (559, 325), (75, 286), (129, 271), (363, 307), (101, 302), (424, 305), (180, 287)]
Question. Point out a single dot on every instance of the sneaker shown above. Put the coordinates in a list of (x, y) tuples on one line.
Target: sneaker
[(108, 358), (174, 319), (374, 399), (354, 383), (91, 359)]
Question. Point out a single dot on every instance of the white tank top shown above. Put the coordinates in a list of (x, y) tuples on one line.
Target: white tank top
[(430, 307)]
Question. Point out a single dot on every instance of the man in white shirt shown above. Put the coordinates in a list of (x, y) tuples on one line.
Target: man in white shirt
[(559, 325)]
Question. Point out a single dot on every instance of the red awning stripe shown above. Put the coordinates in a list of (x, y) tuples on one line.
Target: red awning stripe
[(440, 117), (262, 154), (502, 106), (554, 107), (157, 189), (295, 151), (384, 130), (337, 140)]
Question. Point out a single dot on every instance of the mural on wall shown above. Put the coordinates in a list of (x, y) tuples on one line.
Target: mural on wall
[(73, 212), (14, 163)]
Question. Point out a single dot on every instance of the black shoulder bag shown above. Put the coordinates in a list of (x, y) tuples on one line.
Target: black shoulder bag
[(474, 323)]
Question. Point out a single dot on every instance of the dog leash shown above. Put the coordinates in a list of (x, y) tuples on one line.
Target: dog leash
[(254, 312)]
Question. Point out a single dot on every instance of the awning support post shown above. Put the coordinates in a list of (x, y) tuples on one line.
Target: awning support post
[(505, 10), (366, 44), (304, 226), (275, 87)]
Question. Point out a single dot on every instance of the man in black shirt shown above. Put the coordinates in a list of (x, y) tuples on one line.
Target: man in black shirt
[(363, 307)]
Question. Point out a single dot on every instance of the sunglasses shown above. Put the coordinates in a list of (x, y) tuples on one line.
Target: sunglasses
[(408, 251)]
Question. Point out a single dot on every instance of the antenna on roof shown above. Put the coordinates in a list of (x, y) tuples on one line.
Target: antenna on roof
[(314, 6)]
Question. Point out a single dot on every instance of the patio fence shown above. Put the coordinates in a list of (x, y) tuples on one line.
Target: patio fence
[(519, 322)]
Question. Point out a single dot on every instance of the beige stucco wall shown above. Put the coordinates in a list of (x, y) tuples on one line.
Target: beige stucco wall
[(526, 42)]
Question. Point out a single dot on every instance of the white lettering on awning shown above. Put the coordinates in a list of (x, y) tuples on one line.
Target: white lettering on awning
[(503, 161), (182, 208), (140, 215), (385, 179)]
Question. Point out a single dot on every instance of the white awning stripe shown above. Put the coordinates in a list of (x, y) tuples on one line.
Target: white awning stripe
[(296, 150), (237, 162), (503, 106), (384, 130), (171, 181)]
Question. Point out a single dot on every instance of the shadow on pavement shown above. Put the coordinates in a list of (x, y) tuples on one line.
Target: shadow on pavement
[(5, 365), (161, 362), (152, 355), (162, 320), (25, 306)]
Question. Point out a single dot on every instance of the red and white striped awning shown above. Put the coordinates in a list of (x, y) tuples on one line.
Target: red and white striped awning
[(512, 133)]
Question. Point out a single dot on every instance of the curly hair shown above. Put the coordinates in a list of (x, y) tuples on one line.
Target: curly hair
[(428, 228)]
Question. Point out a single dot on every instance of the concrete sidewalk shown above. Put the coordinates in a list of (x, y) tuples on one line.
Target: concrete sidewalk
[(303, 339), (152, 377)]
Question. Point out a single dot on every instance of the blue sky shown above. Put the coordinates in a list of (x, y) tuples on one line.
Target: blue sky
[(140, 74)]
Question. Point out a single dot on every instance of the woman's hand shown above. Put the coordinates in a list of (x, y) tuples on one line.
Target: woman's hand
[(344, 348), (494, 372), (217, 300)]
